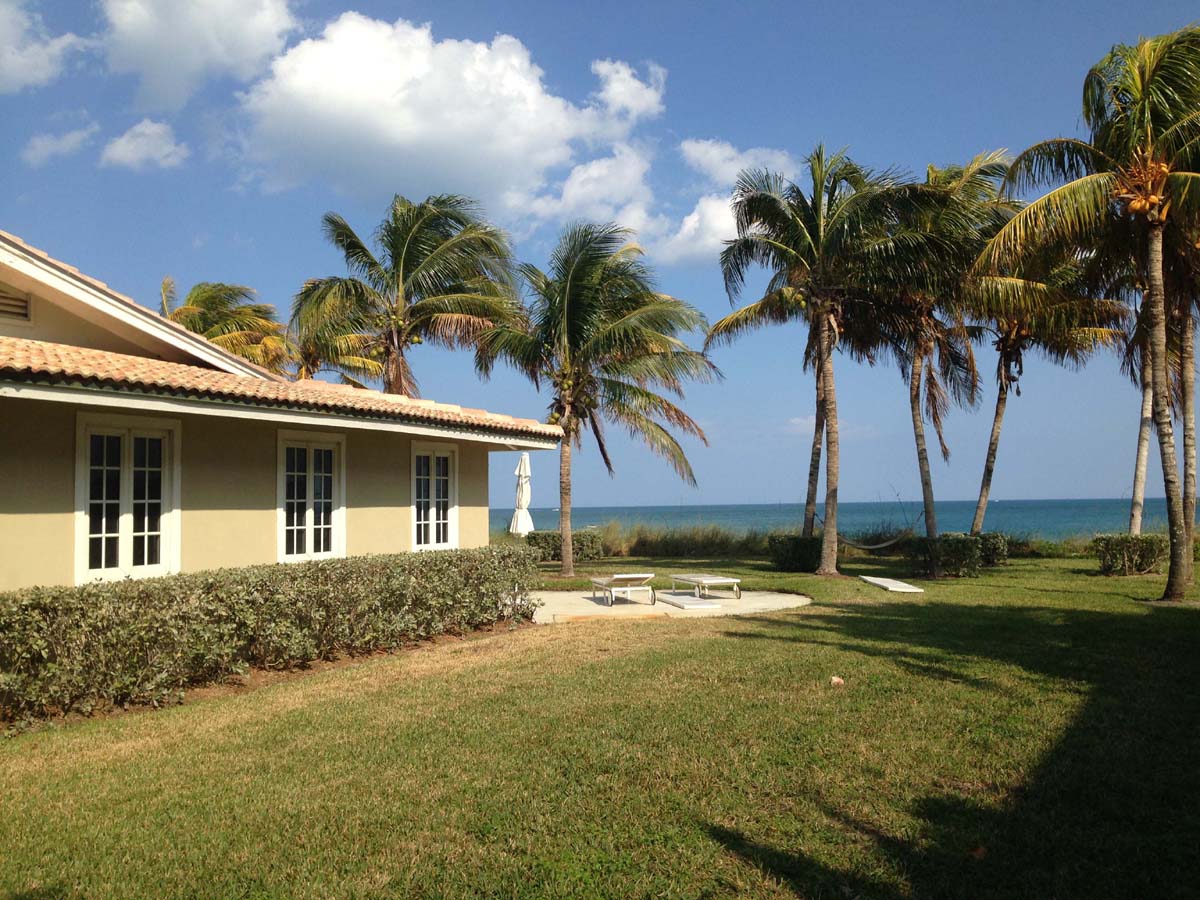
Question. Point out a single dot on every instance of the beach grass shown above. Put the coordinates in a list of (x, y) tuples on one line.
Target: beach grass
[(1028, 733)]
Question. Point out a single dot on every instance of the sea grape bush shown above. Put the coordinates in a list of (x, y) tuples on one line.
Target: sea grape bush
[(66, 649)]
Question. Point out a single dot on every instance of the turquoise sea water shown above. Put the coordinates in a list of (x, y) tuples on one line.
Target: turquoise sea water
[(1052, 519)]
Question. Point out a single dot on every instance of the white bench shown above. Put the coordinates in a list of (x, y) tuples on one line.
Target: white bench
[(702, 584), (613, 586)]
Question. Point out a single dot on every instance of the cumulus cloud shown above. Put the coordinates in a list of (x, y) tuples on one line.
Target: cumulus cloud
[(372, 106), (29, 56), (720, 162), (609, 189), (44, 147), (174, 47), (701, 234), (624, 94), (147, 145)]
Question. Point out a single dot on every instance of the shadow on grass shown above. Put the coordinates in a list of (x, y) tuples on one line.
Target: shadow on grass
[(1112, 810)]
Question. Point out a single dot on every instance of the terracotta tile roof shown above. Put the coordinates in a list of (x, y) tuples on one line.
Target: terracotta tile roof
[(27, 360), (185, 336)]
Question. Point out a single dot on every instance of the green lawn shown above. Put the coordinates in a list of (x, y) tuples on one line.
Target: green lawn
[(1032, 733)]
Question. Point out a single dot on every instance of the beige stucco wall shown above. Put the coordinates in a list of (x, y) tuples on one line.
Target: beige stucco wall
[(50, 322), (228, 491)]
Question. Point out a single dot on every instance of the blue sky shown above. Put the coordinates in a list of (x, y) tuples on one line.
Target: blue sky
[(204, 140)]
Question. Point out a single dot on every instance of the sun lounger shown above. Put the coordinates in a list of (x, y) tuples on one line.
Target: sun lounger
[(702, 584), (613, 586)]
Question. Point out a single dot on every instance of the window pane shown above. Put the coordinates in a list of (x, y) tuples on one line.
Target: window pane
[(96, 518), (139, 550), (153, 554), (96, 450), (139, 484), (156, 453), (139, 452), (110, 553), (95, 552), (112, 450)]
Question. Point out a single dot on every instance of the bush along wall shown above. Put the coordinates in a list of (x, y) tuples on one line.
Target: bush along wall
[(794, 552), (960, 555), (66, 649), (1130, 554), (587, 544)]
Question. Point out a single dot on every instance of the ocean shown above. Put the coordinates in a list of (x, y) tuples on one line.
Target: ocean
[(1050, 519)]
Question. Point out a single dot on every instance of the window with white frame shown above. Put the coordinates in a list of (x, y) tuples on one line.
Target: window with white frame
[(127, 497), (435, 500), (311, 496)]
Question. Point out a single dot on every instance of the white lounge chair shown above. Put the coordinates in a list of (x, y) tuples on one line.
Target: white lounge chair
[(613, 586), (702, 585)]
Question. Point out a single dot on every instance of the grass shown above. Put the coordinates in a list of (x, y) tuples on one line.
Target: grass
[(1032, 733)]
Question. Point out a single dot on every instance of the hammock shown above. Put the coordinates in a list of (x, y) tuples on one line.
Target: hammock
[(905, 534)]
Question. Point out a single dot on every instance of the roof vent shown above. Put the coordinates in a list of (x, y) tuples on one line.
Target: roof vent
[(14, 306)]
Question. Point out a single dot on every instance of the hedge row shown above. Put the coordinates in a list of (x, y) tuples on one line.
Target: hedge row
[(64, 649), (794, 552), (586, 544), (1130, 554)]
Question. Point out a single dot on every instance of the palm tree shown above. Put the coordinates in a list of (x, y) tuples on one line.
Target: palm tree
[(441, 274), (605, 341), (1023, 315), (952, 215), (820, 246), (349, 354), (1141, 104), (227, 315)]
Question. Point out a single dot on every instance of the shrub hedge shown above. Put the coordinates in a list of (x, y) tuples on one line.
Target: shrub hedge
[(794, 552), (68, 649), (993, 548), (1130, 554), (959, 555), (586, 543)]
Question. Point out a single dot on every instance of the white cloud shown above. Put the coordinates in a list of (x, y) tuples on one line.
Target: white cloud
[(701, 235), (148, 144), (174, 47), (720, 162), (44, 147), (373, 106), (624, 94), (609, 189), (29, 56)]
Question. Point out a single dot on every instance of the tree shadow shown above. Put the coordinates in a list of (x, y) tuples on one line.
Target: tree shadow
[(1111, 810)]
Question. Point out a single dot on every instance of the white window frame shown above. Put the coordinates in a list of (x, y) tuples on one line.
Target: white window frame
[(171, 519), (423, 448), (311, 440)]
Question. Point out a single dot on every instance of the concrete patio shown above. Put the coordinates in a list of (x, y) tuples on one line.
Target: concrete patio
[(574, 606)]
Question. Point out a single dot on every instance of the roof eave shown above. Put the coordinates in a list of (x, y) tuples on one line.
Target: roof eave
[(90, 391)]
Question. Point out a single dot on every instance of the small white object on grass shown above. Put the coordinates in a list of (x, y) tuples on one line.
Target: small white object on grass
[(837, 682)]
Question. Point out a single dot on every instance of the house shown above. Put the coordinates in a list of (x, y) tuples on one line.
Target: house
[(131, 447)]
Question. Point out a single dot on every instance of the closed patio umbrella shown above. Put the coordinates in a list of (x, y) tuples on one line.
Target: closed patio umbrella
[(522, 522)]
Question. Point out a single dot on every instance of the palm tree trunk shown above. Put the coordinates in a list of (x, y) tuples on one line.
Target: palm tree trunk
[(1137, 505), (918, 422), (989, 464), (1156, 316), (814, 463), (829, 535), (1187, 365), (564, 505)]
